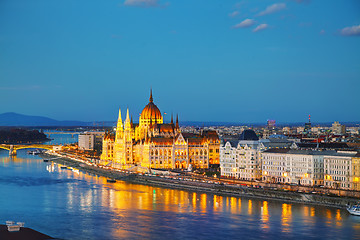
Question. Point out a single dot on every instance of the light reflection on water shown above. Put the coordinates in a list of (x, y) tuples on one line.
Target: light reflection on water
[(75, 205)]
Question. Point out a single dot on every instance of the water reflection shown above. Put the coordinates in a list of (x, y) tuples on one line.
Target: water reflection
[(286, 217), (338, 218), (250, 207), (75, 204), (265, 215)]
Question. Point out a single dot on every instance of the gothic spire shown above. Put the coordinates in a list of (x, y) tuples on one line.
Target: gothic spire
[(119, 127), (127, 120), (119, 123), (177, 121), (127, 115)]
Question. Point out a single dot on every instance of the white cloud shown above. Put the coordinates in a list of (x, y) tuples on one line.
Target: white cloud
[(142, 3), (261, 27), (244, 24), (351, 31), (233, 14), (273, 8)]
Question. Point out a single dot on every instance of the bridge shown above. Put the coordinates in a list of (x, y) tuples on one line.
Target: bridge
[(51, 133), (13, 148)]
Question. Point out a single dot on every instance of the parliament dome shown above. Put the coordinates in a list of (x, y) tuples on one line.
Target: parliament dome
[(151, 111)]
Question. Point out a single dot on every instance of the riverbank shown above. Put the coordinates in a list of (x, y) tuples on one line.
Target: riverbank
[(186, 182), (23, 233)]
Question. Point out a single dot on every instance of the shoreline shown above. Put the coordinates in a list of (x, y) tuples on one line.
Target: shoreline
[(23, 233), (205, 187)]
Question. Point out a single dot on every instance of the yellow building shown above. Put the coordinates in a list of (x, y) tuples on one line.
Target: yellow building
[(355, 165), (154, 144)]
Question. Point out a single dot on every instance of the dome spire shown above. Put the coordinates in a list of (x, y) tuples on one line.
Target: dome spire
[(151, 97)]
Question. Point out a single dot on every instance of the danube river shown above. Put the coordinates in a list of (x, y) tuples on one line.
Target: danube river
[(70, 204)]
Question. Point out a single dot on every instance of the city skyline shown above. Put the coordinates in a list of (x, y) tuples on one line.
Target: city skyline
[(233, 61)]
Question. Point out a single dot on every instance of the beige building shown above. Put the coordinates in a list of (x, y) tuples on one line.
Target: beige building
[(91, 140), (330, 168), (355, 166), (302, 167), (151, 143), (86, 141), (341, 170), (273, 165)]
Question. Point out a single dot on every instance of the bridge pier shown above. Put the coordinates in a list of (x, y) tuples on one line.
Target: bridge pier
[(12, 151)]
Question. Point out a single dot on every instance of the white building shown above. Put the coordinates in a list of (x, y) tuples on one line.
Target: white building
[(339, 170), (241, 158), (86, 141), (303, 167), (273, 165), (330, 168), (228, 164)]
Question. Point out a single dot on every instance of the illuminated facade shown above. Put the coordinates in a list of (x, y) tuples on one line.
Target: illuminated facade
[(341, 170), (328, 168), (303, 167), (355, 166), (151, 143), (241, 160)]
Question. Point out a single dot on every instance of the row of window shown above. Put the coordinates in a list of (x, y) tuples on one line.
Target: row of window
[(168, 152)]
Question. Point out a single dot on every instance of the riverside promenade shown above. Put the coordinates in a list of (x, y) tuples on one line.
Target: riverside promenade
[(224, 187)]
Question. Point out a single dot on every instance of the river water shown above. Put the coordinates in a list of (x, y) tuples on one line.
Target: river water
[(71, 204)]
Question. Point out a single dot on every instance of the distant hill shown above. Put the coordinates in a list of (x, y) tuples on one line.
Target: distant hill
[(15, 119)]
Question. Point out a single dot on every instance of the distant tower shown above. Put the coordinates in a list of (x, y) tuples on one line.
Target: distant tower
[(308, 125)]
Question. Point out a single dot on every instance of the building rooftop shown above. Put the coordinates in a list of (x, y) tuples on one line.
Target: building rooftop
[(334, 145), (312, 152), (248, 134)]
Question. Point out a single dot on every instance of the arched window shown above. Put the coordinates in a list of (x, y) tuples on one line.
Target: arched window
[(156, 152)]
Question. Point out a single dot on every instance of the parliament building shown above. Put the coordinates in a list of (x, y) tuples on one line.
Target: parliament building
[(151, 143)]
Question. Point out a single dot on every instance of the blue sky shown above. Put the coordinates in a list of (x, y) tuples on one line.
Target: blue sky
[(234, 61)]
